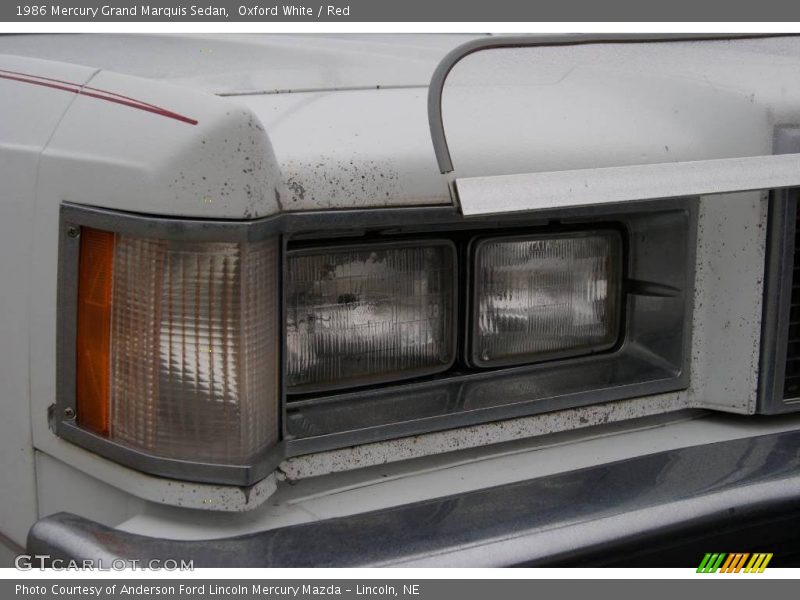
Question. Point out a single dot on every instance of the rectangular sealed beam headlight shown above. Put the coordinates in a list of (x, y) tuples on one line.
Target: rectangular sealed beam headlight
[(369, 313), (543, 297), (177, 345)]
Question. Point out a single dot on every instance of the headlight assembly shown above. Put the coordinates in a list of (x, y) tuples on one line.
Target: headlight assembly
[(211, 351)]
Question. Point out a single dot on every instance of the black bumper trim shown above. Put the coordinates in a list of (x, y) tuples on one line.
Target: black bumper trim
[(567, 517)]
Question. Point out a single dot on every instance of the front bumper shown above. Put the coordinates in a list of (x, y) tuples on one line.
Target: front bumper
[(666, 509)]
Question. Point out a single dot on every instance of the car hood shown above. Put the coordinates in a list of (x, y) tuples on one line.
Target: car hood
[(250, 63)]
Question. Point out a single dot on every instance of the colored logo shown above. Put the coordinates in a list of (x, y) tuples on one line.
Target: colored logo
[(720, 562)]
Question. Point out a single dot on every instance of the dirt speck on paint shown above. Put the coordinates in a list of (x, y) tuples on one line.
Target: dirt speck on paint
[(330, 183)]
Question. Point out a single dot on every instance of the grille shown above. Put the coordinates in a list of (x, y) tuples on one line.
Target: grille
[(791, 382)]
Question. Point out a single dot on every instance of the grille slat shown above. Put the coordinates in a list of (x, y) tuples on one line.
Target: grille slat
[(791, 379)]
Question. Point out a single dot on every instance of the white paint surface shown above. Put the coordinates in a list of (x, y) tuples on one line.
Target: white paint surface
[(61, 484), (225, 64), (562, 108), (352, 149), (115, 156), (112, 156), (590, 187), (729, 274), (29, 116)]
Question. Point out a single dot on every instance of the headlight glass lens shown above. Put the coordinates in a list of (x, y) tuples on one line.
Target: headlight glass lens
[(547, 296), (369, 313)]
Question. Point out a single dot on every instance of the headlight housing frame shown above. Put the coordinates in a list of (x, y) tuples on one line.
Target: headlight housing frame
[(650, 359)]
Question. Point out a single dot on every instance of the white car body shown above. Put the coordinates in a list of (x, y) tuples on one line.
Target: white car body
[(304, 123)]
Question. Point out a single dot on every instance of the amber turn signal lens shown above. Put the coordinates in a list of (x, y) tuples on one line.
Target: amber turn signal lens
[(95, 279)]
